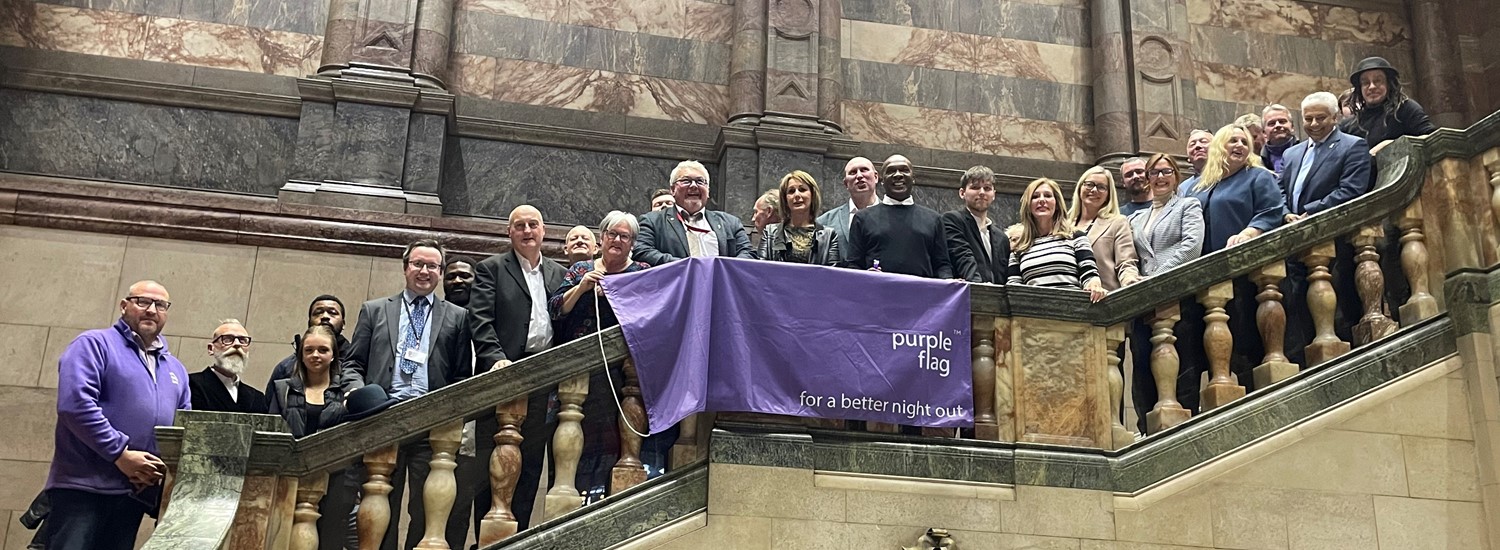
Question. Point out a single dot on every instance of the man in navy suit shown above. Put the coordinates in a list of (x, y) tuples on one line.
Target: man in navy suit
[(690, 229), (1328, 169)]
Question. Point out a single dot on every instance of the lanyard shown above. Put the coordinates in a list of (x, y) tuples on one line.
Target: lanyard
[(691, 228)]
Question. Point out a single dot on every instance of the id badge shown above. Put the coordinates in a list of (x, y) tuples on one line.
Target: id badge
[(415, 356)]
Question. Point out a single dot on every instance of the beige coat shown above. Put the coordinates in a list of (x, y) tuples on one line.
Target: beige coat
[(1114, 251)]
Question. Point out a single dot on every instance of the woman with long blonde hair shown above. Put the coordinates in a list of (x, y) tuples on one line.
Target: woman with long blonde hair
[(1049, 251), (1095, 210)]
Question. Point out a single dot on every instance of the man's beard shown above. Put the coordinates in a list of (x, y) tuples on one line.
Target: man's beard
[(459, 297), (231, 361)]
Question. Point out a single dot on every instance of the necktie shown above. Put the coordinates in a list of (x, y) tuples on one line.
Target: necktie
[(1307, 162), (415, 324)]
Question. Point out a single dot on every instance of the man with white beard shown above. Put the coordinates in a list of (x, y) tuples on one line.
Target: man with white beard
[(219, 387)]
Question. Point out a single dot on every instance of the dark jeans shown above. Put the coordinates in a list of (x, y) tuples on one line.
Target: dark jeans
[(536, 434), (413, 463), (89, 521), (334, 532)]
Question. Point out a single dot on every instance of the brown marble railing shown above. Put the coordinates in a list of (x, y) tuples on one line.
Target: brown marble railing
[(1045, 367)]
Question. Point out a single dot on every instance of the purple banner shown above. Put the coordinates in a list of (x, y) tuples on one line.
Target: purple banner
[(724, 334)]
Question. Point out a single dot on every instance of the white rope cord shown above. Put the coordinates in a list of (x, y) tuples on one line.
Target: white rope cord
[(604, 358)]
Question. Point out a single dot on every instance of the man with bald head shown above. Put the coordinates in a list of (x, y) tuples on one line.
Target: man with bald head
[(219, 387), (897, 235), (115, 386), (859, 180), (508, 308), (580, 244)]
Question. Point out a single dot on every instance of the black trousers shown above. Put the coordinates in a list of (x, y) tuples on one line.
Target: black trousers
[(1299, 323), (413, 462), (82, 520)]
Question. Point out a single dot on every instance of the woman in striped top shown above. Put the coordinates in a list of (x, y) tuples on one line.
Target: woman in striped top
[(1049, 252)]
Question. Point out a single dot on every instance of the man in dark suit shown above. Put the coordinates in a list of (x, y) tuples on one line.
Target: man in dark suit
[(1328, 169), (978, 248), (508, 305), (860, 179), (410, 344), (219, 387), (690, 229), (898, 235)]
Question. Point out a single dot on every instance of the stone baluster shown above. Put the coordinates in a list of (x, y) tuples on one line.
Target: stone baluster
[(628, 470), (1270, 318), (375, 507), (1492, 165), (1164, 368), (567, 447), (505, 470), (1322, 301), (1120, 435), (441, 487), (1369, 281), (310, 491), (1218, 344), (985, 425), (1005, 394), (1414, 263)]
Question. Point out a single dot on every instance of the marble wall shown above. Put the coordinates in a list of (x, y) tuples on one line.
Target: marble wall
[(264, 287), (1007, 79), (1395, 469), (115, 140), (264, 36), (1251, 53), (1477, 28)]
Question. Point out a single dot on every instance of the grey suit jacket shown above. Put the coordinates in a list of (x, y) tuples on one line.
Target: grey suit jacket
[(837, 219), (500, 306), (663, 239), (372, 355), (1176, 239)]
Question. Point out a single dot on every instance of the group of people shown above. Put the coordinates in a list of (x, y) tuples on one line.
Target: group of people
[(117, 384)]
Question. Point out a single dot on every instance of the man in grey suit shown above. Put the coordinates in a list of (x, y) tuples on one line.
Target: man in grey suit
[(860, 178), (1328, 169), (508, 306), (690, 229), (410, 344)]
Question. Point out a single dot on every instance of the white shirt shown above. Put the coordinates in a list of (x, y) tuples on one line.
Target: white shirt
[(148, 353), (700, 233), (854, 210), (405, 386), (539, 330), (910, 201), (231, 384), (984, 232)]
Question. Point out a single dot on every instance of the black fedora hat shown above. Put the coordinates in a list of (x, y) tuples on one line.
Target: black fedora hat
[(366, 401), (1369, 63)]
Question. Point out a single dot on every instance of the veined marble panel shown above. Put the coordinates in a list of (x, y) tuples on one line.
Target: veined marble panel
[(49, 27), (691, 19), (512, 37), (230, 47), (1230, 83), (1058, 23), (970, 132), (544, 84), (1290, 17), (967, 52)]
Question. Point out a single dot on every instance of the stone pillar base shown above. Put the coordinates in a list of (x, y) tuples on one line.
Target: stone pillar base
[(1165, 417), (882, 428), (1370, 330), (987, 432), (1321, 352), (1121, 437), (360, 197), (1415, 310), (1266, 374), (1214, 397), (824, 423), (621, 478)]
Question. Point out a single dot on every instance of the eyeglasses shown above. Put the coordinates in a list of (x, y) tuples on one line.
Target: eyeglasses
[(616, 236), (1163, 172), (231, 339), (1092, 186), (698, 182), (420, 266), (144, 302), (1136, 172)]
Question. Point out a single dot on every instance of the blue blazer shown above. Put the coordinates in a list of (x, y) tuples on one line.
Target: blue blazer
[(1340, 172)]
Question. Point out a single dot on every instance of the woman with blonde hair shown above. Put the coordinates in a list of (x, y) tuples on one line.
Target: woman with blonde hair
[(1049, 251), (798, 238), (1096, 212)]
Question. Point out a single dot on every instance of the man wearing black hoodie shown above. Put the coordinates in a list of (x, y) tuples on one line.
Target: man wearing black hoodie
[(324, 310)]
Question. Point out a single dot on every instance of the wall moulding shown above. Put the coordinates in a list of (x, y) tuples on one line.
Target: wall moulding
[(156, 93), (205, 216)]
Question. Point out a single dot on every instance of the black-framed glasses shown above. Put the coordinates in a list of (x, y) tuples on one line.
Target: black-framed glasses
[(145, 302), (231, 339), (1163, 172), (698, 182), (420, 265), (1094, 186), (617, 236)]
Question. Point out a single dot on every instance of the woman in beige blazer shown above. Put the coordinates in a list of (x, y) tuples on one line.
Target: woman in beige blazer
[(1096, 210)]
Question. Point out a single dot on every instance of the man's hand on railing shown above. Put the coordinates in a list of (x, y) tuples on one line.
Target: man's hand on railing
[(144, 469), (1247, 234), (1293, 218), (501, 364)]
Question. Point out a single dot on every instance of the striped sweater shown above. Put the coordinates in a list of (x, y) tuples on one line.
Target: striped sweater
[(1056, 262)]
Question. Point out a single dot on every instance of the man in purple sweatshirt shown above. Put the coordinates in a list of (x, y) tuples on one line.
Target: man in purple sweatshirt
[(114, 387)]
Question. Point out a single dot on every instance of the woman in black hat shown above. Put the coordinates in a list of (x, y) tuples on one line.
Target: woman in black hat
[(1381, 110)]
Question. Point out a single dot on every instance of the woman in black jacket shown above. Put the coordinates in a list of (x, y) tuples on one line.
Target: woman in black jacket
[(799, 238), (312, 400)]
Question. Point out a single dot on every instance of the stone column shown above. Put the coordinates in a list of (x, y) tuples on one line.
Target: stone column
[(1438, 71), (1114, 123), (1145, 98), (374, 118)]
